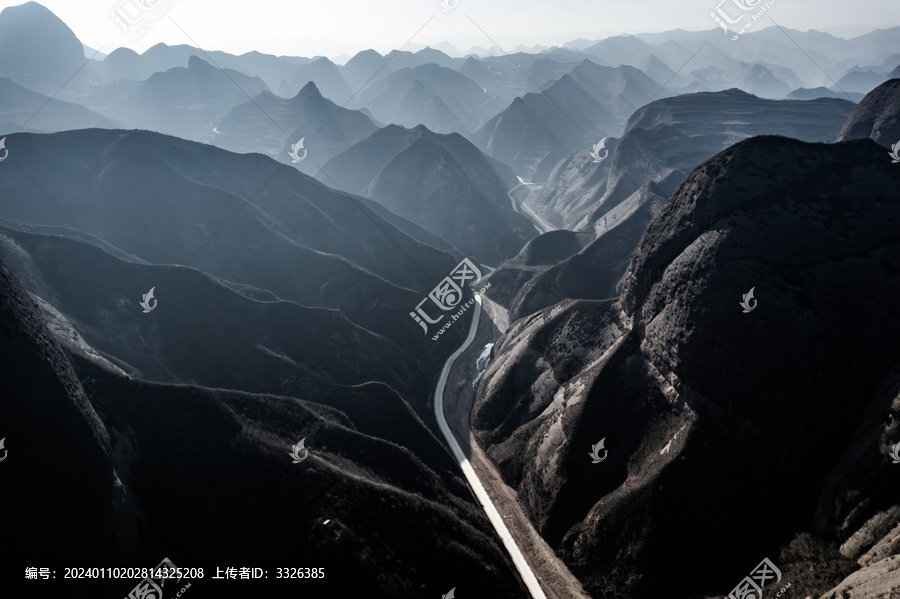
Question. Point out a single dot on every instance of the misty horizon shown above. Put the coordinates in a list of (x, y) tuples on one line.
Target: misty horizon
[(568, 300), (489, 27)]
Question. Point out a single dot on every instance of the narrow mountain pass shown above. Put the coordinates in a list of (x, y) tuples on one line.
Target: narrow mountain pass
[(545, 575), (539, 223)]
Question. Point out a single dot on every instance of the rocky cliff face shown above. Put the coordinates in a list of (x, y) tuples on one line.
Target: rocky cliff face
[(877, 116), (720, 425)]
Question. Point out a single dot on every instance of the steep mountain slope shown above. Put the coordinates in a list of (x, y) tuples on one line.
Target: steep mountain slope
[(594, 271), (326, 76), (539, 254), (508, 77), (44, 408), (37, 50), (271, 125), (245, 219), (877, 116), (183, 101), (539, 129), (861, 82), (206, 330), (720, 425), (20, 107), (204, 477), (441, 182), (674, 135), (364, 65), (442, 99), (368, 67), (616, 198)]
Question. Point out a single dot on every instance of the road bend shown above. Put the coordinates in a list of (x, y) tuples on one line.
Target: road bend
[(493, 515)]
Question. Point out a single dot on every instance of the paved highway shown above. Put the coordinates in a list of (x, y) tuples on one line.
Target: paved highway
[(493, 515)]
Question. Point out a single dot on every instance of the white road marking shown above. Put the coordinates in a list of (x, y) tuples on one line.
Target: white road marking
[(534, 587)]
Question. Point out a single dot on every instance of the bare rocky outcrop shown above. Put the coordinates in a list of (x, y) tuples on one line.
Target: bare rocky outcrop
[(877, 116), (721, 425)]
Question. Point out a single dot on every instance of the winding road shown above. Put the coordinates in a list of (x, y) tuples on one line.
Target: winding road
[(531, 582), (540, 224)]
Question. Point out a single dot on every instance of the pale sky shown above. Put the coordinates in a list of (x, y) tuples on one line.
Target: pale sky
[(334, 27)]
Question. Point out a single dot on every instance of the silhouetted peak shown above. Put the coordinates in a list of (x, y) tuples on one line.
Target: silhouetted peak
[(197, 63), (310, 90)]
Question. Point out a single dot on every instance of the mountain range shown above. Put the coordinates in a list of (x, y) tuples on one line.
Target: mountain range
[(442, 183), (589, 103), (237, 328), (153, 469), (251, 236), (614, 200), (272, 125)]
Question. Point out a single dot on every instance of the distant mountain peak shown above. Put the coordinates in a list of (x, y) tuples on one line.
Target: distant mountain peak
[(323, 60), (31, 10), (195, 62), (368, 54), (309, 90), (37, 49)]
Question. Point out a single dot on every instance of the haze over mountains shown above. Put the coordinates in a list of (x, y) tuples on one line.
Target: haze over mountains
[(588, 103), (185, 192), (187, 291), (614, 201), (441, 182)]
